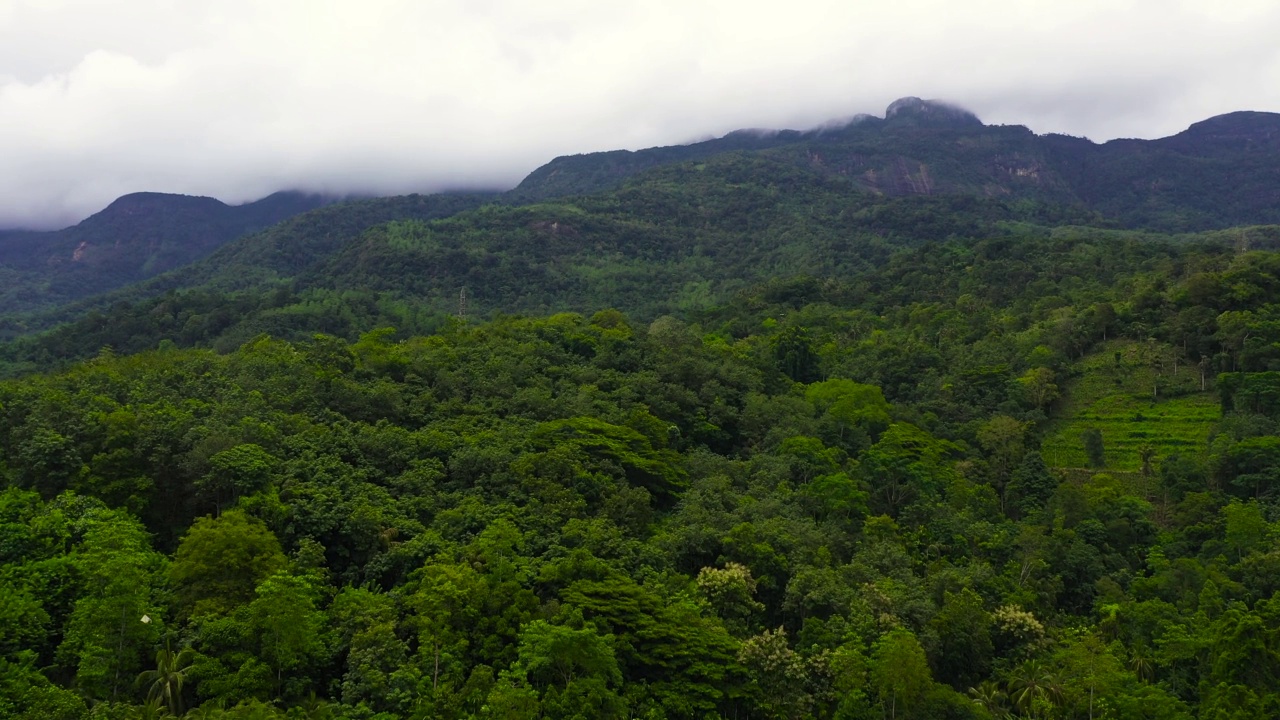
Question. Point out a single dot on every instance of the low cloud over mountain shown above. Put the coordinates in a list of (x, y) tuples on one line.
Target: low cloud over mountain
[(238, 99)]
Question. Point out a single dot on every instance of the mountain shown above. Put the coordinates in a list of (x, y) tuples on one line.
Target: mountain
[(675, 230), (748, 432), (678, 239), (984, 464), (135, 237), (259, 261), (1221, 172)]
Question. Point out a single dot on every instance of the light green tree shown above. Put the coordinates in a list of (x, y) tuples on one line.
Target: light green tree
[(106, 638), (288, 625), (900, 673)]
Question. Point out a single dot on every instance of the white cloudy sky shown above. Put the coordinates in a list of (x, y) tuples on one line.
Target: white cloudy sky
[(238, 98)]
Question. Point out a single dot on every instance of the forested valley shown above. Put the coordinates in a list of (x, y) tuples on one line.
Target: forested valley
[(734, 439)]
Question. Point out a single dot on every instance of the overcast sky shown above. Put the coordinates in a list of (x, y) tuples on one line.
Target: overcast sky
[(239, 98)]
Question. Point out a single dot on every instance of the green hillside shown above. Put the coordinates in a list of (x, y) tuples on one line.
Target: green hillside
[(681, 238), (766, 434), (1135, 404), (824, 499), (137, 237)]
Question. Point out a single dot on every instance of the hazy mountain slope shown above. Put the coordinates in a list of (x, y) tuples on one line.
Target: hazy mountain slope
[(293, 246), (657, 230), (1221, 172), (594, 172), (262, 259), (675, 239), (136, 237)]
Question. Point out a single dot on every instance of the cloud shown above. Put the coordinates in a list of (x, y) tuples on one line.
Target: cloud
[(240, 98)]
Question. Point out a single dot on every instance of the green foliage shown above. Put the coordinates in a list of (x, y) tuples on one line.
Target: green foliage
[(140, 235), (906, 464), (111, 627), (221, 561), (822, 499), (900, 674), (655, 470), (288, 625), (1093, 447), (165, 682), (964, 651), (1113, 394), (26, 694)]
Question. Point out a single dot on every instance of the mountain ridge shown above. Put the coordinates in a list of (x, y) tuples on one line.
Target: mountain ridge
[(1221, 172), (924, 147), (135, 237)]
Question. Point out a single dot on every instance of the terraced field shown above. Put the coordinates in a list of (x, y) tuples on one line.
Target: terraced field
[(1115, 391)]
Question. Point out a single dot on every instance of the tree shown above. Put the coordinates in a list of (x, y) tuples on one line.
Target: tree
[(1093, 447), (288, 626), (1034, 689), (779, 673), (850, 405), (963, 651), (570, 660), (1234, 329), (1002, 438), (446, 608), (1038, 387), (1031, 485), (1146, 453), (26, 694), (837, 496), (365, 622), (241, 470), (900, 673), (1245, 527), (990, 697), (906, 462), (23, 620), (1090, 676), (166, 680), (106, 637), (793, 353), (731, 593), (1252, 466), (220, 562)]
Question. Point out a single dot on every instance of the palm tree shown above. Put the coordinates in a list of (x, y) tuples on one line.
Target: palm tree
[(989, 696), (1033, 682), (1140, 664), (166, 680)]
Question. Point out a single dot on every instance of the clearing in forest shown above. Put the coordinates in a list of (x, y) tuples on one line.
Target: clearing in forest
[(1133, 395)]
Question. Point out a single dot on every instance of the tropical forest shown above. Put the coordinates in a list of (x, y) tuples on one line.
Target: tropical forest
[(910, 418)]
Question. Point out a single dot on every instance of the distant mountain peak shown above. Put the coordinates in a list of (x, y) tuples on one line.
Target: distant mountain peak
[(155, 202), (929, 112), (1237, 125)]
